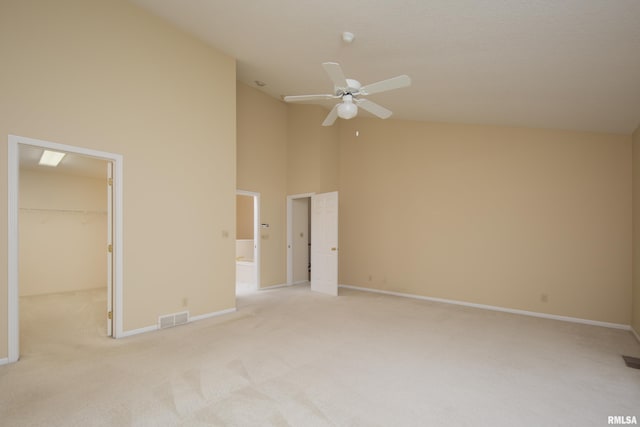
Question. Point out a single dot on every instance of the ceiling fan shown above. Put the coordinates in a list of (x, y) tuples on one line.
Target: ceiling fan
[(350, 92)]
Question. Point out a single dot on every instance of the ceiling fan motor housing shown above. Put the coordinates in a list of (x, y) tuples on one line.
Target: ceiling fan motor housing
[(353, 88)]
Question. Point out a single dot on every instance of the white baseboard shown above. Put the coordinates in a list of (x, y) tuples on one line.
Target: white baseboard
[(210, 315), (283, 285), (139, 331), (191, 319), (267, 288), (496, 308), (635, 334), (4, 361)]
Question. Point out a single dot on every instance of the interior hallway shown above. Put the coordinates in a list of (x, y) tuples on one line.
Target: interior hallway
[(292, 357)]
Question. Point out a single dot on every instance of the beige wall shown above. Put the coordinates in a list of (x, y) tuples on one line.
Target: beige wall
[(537, 220), (244, 217), (262, 168), (312, 151), (282, 150), (635, 323), (63, 232), (106, 75), (489, 215)]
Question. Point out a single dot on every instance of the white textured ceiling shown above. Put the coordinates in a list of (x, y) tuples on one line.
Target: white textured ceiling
[(567, 64)]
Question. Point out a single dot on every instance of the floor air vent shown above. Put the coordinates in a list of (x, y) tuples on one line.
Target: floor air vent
[(171, 320)]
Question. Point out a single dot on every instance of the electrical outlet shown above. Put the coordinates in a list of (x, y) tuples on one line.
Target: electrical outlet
[(544, 297), (185, 302)]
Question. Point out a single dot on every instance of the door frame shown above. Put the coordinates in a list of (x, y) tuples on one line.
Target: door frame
[(256, 231), (13, 167), (290, 200), (109, 186)]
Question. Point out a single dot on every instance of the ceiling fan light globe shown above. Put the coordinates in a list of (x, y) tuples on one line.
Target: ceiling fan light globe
[(347, 110)]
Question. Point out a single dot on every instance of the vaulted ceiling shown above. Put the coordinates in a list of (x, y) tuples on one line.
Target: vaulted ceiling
[(570, 64)]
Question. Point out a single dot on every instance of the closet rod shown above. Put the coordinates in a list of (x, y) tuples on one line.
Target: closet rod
[(63, 210)]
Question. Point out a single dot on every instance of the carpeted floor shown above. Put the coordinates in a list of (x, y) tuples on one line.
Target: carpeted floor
[(290, 357)]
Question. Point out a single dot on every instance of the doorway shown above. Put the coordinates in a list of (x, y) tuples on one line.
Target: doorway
[(247, 241), (321, 211), (112, 163), (299, 238)]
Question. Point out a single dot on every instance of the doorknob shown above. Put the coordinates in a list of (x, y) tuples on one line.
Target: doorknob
[(334, 249)]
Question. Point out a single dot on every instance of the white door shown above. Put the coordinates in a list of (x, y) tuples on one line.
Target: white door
[(109, 249), (324, 243)]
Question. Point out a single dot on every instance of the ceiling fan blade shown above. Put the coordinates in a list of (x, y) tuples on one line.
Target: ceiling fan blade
[(299, 98), (384, 85), (331, 117), (335, 73), (375, 109)]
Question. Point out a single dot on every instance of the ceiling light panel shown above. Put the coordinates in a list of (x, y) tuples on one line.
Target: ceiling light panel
[(51, 158)]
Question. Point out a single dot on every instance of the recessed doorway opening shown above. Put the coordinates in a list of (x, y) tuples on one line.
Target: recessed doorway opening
[(299, 238), (37, 206), (247, 241), (312, 221)]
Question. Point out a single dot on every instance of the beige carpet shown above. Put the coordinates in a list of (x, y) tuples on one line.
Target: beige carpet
[(290, 357)]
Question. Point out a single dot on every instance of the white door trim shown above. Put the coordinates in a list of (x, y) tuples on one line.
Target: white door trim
[(13, 168), (290, 233), (256, 231), (109, 187)]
